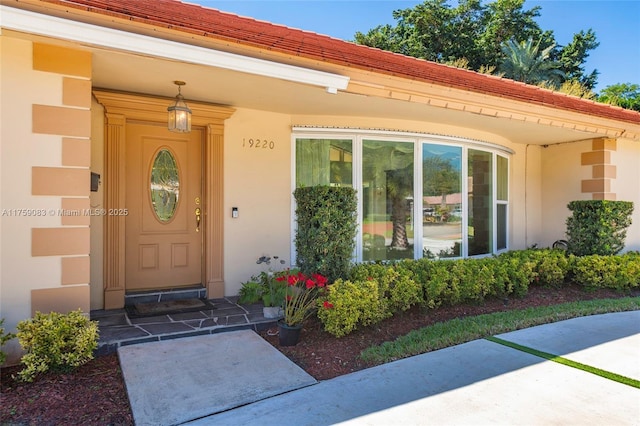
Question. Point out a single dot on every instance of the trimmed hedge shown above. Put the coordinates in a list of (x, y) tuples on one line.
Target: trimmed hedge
[(598, 226), (616, 272), (326, 230), (376, 291)]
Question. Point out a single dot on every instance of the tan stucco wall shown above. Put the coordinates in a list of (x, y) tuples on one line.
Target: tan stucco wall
[(525, 196), (400, 125), (21, 273), (562, 174), (626, 186), (33, 275), (97, 201), (564, 177), (258, 182)]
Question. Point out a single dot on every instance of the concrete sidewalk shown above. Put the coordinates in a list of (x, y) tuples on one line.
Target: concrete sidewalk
[(477, 383), (174, 381)]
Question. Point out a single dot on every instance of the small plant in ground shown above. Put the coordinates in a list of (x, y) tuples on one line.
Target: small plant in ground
[(4, 338), (56, 342), (265, 286)]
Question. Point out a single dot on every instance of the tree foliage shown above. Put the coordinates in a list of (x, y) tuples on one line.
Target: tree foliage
[(574, 55), (440, 177), (527, 63), (475, 33), (625, 95)]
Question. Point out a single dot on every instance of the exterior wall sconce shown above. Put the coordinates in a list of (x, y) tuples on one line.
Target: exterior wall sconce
[(179, 113)]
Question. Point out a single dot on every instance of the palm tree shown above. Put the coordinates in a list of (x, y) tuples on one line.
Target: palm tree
[(525, 62), (399, 187), (389, 168)]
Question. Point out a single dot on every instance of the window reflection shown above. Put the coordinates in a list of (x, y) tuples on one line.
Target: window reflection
[(324, 162), (442, 200), (480, 202), (387, 193)]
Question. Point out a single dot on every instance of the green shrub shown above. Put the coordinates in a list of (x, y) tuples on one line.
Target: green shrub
[(598, 226), (541, 266), (552, 268), (326, 230), (435, 282), (616, 272), (56, 342), (476, 278), (250, 292), (4, 338), (266, 287), (348, 305), (396, 285), (403, 290), (518, 272)]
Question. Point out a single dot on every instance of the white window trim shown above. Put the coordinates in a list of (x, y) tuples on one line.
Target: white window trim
[(502, 202)]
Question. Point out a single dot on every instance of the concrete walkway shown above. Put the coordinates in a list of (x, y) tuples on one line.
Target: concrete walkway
[(174, 381), (477, 383)]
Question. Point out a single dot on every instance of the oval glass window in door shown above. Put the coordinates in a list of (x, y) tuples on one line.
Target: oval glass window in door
[(164, 185)]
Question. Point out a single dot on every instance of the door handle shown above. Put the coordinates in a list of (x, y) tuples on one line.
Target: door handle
[(198, 215)]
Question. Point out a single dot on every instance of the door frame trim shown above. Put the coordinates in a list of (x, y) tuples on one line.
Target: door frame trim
[(119, 108)]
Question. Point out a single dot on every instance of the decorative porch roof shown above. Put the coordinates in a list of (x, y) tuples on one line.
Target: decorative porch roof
[(238, 30)]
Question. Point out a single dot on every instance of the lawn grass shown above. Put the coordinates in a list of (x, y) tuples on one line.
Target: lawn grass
[(462, 330)]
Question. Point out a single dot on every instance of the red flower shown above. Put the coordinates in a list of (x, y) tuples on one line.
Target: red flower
[(292, 280), (321, 280), (310, 283), (289, 297), (281, 278), (327, 304)]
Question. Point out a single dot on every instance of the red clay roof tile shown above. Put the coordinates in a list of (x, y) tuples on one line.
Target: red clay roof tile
[(216, 24)]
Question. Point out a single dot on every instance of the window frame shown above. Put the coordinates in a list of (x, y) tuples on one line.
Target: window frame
[(357, 137)]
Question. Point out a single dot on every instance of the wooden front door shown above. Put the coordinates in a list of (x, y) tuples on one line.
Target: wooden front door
[(164, 208)]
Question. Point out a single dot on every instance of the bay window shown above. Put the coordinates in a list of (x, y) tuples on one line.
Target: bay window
[(418, 195)]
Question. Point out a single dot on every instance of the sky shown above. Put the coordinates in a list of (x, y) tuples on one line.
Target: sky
[(615, 22)]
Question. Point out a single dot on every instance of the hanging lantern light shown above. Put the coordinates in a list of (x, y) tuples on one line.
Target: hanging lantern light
[(179, 113)]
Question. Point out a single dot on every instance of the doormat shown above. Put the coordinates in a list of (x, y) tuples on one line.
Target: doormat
[(140, 310)]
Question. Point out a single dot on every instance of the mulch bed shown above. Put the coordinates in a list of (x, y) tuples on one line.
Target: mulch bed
[(95, 393)]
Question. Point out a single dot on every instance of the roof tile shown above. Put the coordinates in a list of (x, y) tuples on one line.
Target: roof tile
[(220, 25)]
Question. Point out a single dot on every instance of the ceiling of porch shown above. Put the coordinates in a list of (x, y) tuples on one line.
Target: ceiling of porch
[(143, 74), (139, 74)]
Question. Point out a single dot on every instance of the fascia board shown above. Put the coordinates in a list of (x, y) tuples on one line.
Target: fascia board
[(93, 35)]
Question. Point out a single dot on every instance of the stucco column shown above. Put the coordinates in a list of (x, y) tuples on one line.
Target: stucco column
[(114, 225), (214, 200), (603, 171)]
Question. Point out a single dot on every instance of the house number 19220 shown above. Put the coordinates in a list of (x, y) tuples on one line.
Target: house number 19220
[(258, 143)]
